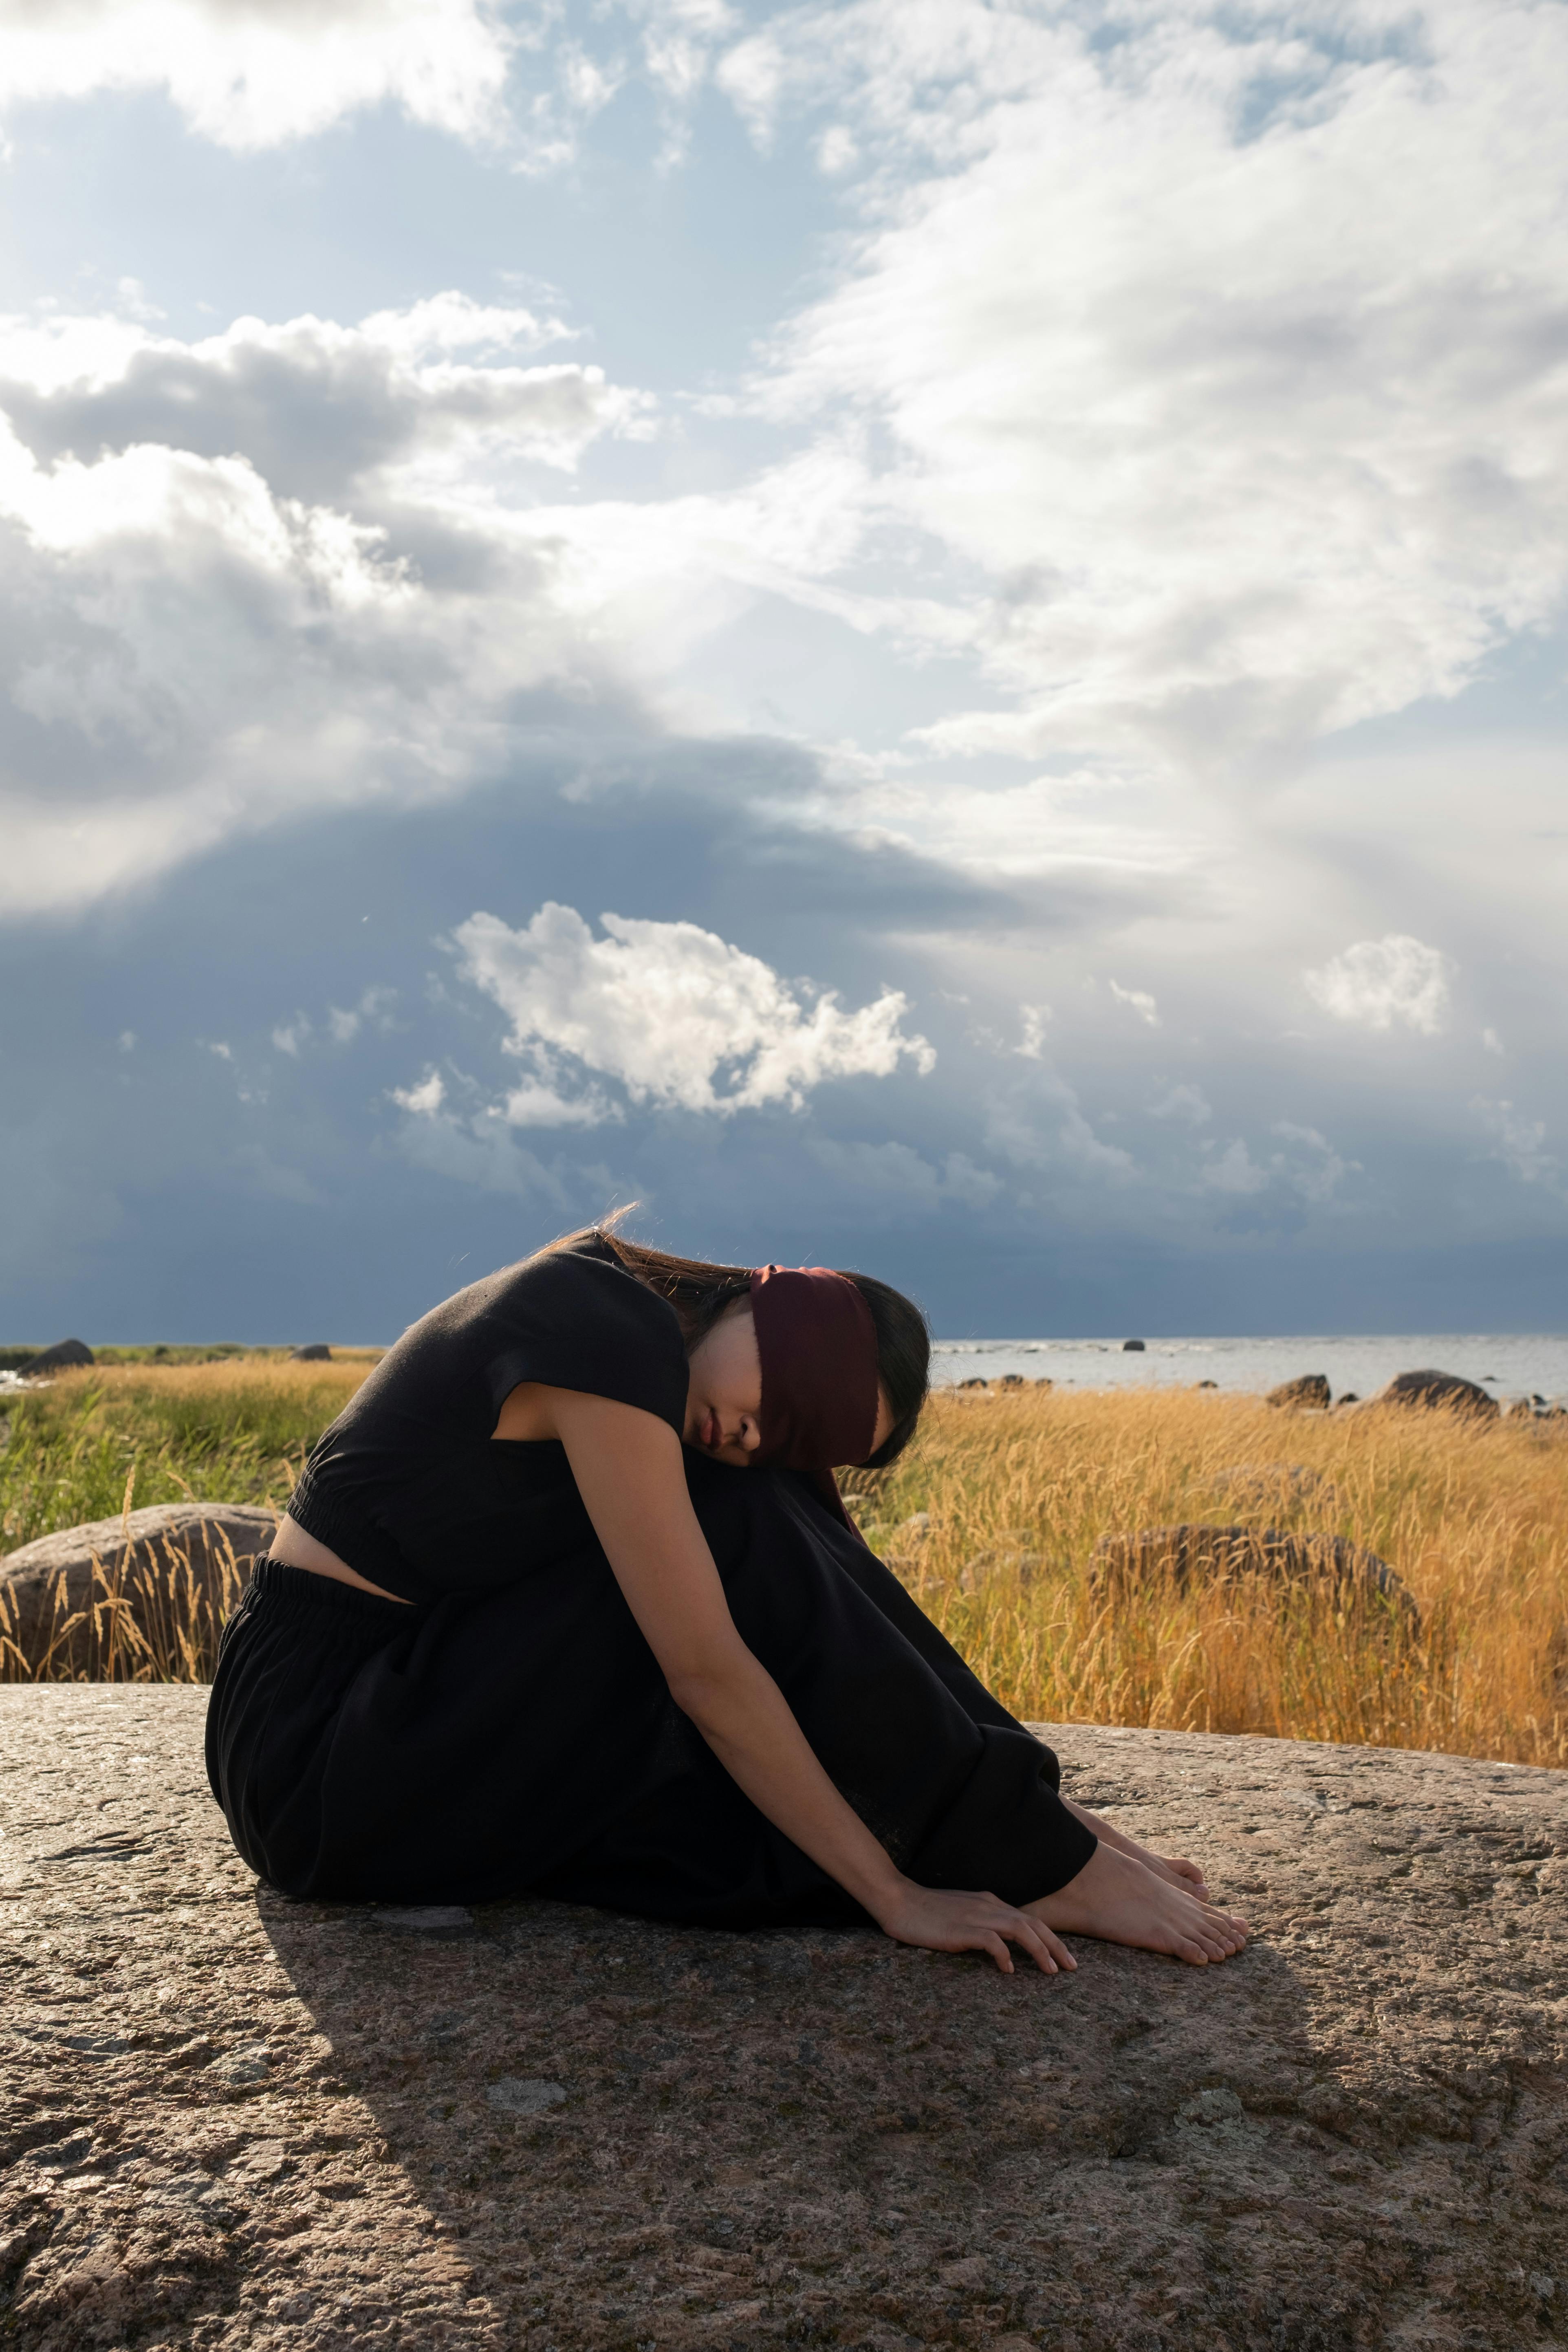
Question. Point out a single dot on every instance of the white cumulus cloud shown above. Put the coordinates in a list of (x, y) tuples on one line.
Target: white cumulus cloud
[(269, 574), (316, 407), (1224, 349), (425, 1100), (253, 73), (1032, 1019), (675, 1016), (1377, 983), (1141, 1000)]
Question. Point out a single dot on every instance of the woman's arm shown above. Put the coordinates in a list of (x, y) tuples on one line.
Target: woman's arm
[(628, 1469)]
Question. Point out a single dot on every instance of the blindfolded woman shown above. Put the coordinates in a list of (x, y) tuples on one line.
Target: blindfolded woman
[(566, 1603)]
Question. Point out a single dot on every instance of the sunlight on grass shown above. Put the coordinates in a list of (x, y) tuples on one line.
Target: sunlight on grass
[(1020, 1488), (233, 1432), (1017, 1490)]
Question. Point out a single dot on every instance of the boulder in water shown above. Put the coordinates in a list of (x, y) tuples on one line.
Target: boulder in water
[(1132, 1346)]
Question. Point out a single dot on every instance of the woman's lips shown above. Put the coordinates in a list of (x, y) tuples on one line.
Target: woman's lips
[(711, 1431)]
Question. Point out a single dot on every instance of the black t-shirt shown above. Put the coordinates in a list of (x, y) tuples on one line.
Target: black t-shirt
[(409, 1487)]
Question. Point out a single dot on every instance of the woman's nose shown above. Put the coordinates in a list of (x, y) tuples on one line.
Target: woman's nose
[(750, 1435)]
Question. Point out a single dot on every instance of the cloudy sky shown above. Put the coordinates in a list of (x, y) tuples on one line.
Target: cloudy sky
[(924, 634)]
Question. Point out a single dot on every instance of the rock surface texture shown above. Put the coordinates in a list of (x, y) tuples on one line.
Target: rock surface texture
[(236, 2121)]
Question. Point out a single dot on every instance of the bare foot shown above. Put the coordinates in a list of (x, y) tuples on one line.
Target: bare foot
[(1115, 1897), (1175, 1867)]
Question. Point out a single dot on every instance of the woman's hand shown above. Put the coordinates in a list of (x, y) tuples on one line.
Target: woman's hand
[(939, 1919), (1178, 1871)]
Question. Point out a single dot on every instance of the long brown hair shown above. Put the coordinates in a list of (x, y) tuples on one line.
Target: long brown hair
[(699, 1292)]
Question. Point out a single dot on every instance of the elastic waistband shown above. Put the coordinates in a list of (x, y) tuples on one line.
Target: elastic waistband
[(285, 1588)]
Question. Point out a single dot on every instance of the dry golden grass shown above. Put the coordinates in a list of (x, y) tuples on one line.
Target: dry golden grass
[(157, 1623), (1020, 1486), (97, 1444), (1473, 1515)]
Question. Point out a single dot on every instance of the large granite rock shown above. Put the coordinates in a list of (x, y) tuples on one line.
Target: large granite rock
[(171, 1550), (232, 2121)]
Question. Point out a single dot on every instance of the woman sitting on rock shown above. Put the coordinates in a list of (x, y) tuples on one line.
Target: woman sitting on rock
[(512, 1639)]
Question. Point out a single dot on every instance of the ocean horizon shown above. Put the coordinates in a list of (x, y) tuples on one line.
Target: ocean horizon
[(1506, 1365)]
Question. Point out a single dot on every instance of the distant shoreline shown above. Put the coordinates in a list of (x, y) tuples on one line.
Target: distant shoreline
[(1508, 1365)]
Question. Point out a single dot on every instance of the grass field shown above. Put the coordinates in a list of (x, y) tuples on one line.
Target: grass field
[(1015, 1489)]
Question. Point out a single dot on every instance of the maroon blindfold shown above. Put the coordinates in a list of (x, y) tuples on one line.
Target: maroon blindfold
[(818, 1349)]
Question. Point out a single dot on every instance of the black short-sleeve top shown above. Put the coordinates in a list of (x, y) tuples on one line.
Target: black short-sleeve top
[(409, 1487)]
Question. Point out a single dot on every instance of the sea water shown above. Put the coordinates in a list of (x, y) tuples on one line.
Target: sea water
[(1510, 1366)]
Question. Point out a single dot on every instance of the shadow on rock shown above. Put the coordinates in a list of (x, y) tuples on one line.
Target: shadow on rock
[(642, 2135)]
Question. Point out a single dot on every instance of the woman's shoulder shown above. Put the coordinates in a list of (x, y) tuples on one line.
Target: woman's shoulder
[(573, 1317), (580, 1276)]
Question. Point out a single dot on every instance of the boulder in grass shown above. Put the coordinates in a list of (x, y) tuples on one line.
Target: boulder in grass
[(1310, 1393), (1282, 1485), (317, 1353), (170, 1562), (1445, 1391), (1222, 1555), (63, 1356)]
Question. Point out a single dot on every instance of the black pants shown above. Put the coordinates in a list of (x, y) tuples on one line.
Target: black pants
[(525, 1740)]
